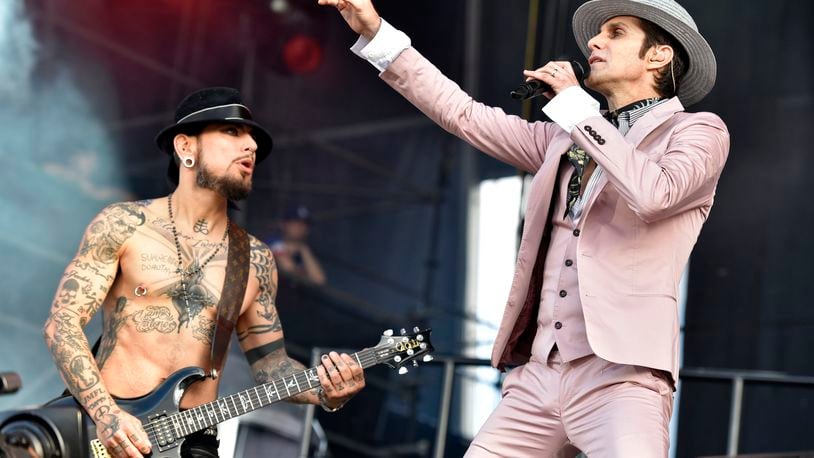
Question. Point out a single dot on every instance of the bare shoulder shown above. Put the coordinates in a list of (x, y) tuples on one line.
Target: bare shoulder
[(262, 260), (111, 228), (264, 276)]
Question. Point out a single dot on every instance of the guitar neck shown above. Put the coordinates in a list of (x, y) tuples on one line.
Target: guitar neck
[(203, 416)]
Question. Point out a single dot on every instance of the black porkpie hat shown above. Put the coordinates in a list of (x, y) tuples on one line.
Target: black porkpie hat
[(207, 106)]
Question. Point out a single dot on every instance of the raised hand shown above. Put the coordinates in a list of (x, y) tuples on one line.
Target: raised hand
[(557, 74), (359, 14)]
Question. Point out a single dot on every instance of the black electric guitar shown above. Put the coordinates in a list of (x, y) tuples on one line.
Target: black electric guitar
[(166, 425)]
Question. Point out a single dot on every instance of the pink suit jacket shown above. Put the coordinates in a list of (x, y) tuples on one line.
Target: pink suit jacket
[(636, 232)]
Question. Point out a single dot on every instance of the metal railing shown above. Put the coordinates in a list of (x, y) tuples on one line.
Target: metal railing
[(738, 378), (450, 364)]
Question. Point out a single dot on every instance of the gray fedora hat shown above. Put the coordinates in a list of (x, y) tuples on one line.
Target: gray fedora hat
[(667, 14)]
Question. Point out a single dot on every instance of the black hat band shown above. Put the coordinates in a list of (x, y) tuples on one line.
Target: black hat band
[(233, 111)]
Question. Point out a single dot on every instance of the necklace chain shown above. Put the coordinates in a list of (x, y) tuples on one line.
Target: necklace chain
[(192, 271)]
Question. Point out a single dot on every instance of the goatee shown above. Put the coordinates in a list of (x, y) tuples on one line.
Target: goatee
[(229, 188)]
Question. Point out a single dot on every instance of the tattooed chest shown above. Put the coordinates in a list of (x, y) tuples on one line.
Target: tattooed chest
[(149, 318), (152, 326), (162, 263)]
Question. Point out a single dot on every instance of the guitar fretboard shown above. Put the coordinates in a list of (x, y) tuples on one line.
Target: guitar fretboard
[(201, 417)]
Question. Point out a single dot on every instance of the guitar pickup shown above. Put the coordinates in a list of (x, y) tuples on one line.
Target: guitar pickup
[(162, 429)]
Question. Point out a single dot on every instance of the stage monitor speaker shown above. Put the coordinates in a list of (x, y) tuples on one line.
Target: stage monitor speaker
[(43, 432)]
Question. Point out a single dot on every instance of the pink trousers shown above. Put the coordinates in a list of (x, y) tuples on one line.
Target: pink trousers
[(602, 408)]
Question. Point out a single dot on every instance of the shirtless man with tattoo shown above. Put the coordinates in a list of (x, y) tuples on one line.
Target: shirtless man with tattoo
[(156, 269)]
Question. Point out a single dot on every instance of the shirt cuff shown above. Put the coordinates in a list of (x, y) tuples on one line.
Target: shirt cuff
[(384, 48), (570, 107)]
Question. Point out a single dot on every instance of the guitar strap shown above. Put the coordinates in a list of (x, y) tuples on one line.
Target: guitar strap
[(231, 298)]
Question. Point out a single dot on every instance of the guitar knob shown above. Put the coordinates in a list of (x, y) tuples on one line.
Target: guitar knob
[(415, 329), (410, 352), (397, 359), (388, 332), (403, 332), (423, 345), (402, 370), (428, 358), (419, 337)]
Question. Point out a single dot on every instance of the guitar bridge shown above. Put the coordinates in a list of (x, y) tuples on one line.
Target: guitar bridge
[(98, 450)]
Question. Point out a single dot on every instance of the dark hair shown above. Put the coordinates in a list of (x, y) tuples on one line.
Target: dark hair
[(655, 36), (173, 168)]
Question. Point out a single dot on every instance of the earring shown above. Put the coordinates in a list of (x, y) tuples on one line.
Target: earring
[(188, 161)]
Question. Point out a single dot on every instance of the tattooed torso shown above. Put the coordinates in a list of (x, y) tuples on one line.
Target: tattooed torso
[(150, 327)]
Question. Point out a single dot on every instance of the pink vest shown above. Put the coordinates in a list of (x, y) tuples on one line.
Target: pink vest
[(560, 318)]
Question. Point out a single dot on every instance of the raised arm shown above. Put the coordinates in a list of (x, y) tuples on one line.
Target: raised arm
[(260, 334), (505, 137), (81, 292)]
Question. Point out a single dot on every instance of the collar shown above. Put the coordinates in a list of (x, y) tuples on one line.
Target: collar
[(632, 112)]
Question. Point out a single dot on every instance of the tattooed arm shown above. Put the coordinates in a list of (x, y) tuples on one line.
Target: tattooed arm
[(260, 334), (81, 292)]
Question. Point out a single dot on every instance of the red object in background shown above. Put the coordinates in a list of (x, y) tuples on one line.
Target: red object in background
[(301, 54)]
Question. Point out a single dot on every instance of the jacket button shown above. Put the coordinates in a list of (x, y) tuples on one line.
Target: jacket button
[(587, 128), (601, 141), (576, 232), (563, 293), (569, 263), (558, 325)]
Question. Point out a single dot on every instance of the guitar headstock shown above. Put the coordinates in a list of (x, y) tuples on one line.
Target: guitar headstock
[(396, 350)]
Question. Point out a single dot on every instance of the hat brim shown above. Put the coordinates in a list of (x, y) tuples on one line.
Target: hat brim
[(702, 69), (264, 142)]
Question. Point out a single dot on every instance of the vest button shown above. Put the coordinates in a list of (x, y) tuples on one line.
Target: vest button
[(563, 293), (558, 325), (576, 232), (569, 263)]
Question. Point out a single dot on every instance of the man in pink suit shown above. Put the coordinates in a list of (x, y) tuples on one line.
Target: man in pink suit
[(615, 207)]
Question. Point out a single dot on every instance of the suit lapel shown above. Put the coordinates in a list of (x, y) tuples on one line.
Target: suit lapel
[(653, 119), (541, 194), (648, 123)]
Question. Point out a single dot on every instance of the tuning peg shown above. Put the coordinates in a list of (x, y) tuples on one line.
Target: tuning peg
[(428, 358), (388, 332), (402, 370), (419, 337), (403, 332), (415, 329), (415, 363)]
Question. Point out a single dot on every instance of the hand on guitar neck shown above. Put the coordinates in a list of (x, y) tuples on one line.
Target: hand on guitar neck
[(341, 378)]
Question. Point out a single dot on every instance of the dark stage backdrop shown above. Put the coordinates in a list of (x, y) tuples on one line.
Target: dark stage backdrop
[(749, 306), (86, 84)]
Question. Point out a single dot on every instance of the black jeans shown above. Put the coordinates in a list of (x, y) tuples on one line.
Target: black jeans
[(202, 444)]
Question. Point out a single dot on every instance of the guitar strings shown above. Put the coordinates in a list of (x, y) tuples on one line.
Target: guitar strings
[(369, 358), (152, 427)]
